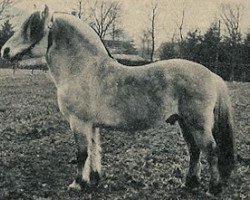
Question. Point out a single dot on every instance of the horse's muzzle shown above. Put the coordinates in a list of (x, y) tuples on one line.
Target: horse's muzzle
[(6, 54)]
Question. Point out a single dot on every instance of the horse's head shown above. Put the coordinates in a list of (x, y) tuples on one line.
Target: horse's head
[(29, 39)]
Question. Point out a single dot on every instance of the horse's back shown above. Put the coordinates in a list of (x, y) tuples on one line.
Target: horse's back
[(188, 78)]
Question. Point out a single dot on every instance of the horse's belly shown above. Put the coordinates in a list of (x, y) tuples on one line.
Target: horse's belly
[(137, 111), (140, 112)]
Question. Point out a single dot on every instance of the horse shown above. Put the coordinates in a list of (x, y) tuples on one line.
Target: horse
[(94, 91)]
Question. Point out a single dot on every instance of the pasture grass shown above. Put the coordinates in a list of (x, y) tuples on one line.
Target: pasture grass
[(37, 150)]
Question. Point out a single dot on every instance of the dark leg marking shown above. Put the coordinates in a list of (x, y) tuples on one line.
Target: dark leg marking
[(81, 158), (192, 182), (94, 178), (81, 182), (173, 119), (215, 189), (192, 179), (215, 186)]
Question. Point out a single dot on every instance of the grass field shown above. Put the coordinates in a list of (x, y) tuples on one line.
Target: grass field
[(37, 150)]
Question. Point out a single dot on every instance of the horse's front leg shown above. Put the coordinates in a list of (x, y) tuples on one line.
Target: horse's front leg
[(83, 138), (95, 157)]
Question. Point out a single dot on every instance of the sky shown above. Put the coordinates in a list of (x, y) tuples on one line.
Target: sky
[(135, 15)]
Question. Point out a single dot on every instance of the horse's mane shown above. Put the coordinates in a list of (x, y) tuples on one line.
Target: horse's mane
[(82, 27)]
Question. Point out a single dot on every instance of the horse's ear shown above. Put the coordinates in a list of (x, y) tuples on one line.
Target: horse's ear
[(45, 12)]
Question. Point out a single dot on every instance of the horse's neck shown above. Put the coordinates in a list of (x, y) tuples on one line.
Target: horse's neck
[(75, 48)]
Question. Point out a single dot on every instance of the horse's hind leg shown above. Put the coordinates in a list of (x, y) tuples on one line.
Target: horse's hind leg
[(82, 133), (206, 142), (193, 175), (199, 119)]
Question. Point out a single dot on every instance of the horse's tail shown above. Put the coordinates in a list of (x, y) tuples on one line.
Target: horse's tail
[(223, 133)]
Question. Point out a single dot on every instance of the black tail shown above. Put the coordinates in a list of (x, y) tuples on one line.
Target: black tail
[(223, 134)]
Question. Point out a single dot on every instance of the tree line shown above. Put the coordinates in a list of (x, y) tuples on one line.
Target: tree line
[(222, 48), (6, 31), (226, 56)]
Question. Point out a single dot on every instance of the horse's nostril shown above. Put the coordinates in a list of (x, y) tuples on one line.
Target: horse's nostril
[(6, 52)]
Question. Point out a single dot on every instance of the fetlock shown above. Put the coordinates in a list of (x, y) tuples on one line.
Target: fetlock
[(192, 182), (215, 188), (94, 178)]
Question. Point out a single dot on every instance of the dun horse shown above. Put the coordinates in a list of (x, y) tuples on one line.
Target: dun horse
[(94, 91)]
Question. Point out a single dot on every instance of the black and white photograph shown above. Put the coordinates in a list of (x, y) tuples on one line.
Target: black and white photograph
[(124, 99)]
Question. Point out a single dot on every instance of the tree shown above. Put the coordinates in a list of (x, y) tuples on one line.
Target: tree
[(210, 44), (148, 36), (146, 44), (231, 18), (79, 9), (104, 17), (154, 9), (4, 4), (181, 39), (6, 32), (168, 50), (4, 7), (246, 49), (121, 47), (192, 46), (181, 25)]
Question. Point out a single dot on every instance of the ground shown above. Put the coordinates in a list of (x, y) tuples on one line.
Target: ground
[(37, 150)]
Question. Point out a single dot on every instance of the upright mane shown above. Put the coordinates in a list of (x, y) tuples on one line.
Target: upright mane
[(66, 23)]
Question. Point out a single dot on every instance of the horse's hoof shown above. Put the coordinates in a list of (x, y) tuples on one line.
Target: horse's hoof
[(192, 182), (94, 179), (74, 186), (208, 194), (172, 119), (215, 189), (78, 184)]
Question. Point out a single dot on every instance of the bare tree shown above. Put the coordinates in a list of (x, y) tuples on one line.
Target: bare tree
[(116, 32), (79, 9), (181, 41), (105, 16), (148, 36), (181, 25), (146, 41), (178, 37), (217, 48), (230, 16), (154, 9), (4, 5)]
